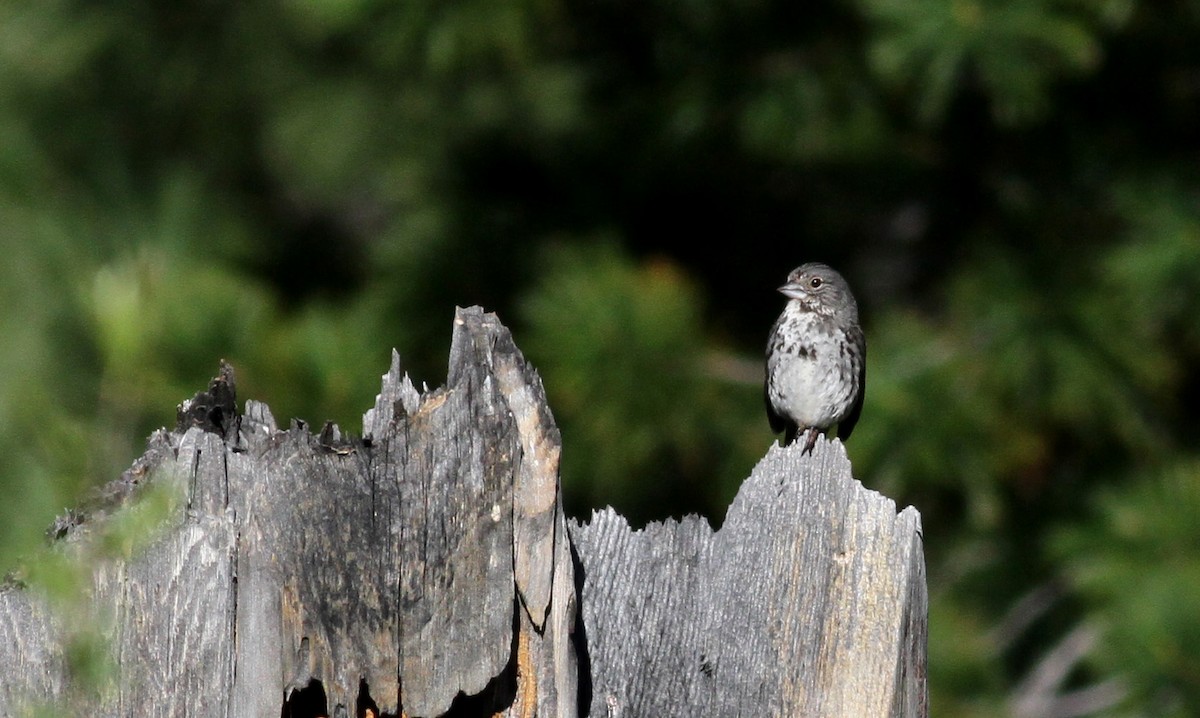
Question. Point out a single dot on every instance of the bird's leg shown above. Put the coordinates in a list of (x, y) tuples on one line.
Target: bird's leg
[(810, 440)]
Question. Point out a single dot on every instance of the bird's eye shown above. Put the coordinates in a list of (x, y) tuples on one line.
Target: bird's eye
[(815, 282)]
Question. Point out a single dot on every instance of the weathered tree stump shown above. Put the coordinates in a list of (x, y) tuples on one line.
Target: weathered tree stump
[(427, 569)]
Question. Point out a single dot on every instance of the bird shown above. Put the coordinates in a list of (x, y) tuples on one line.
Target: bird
[(816, 363)]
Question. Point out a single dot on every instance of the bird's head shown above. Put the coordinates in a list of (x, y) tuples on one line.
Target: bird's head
[(818, 288)]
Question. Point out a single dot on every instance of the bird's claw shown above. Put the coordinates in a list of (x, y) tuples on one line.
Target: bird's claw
[(810, 440)]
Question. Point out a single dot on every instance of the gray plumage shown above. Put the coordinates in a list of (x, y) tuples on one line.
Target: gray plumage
[(816, 357)]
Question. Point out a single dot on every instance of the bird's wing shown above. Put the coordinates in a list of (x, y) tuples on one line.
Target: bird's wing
[(845, 426), (777, 422)]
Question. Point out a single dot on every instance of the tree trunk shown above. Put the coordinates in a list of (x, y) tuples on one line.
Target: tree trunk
[(428, 569)]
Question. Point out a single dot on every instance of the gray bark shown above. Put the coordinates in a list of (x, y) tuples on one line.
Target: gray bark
[(809, 601), (428, 568)]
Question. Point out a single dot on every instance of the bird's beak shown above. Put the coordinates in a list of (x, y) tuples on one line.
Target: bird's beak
[(791, 290)]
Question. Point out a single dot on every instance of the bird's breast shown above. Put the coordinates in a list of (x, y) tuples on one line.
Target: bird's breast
[(809, 377)]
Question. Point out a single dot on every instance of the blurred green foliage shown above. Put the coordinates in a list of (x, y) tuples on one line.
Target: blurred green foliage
[(62, 574), (1016, 52), (1148, 614), (1011, 187)]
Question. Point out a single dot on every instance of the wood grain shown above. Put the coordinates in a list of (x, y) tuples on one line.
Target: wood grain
[(809, 601)]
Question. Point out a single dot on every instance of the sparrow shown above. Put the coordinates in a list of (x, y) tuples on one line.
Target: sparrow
[(816, 358)]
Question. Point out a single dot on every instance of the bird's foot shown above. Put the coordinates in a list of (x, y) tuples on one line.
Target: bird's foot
[(810, 440)]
